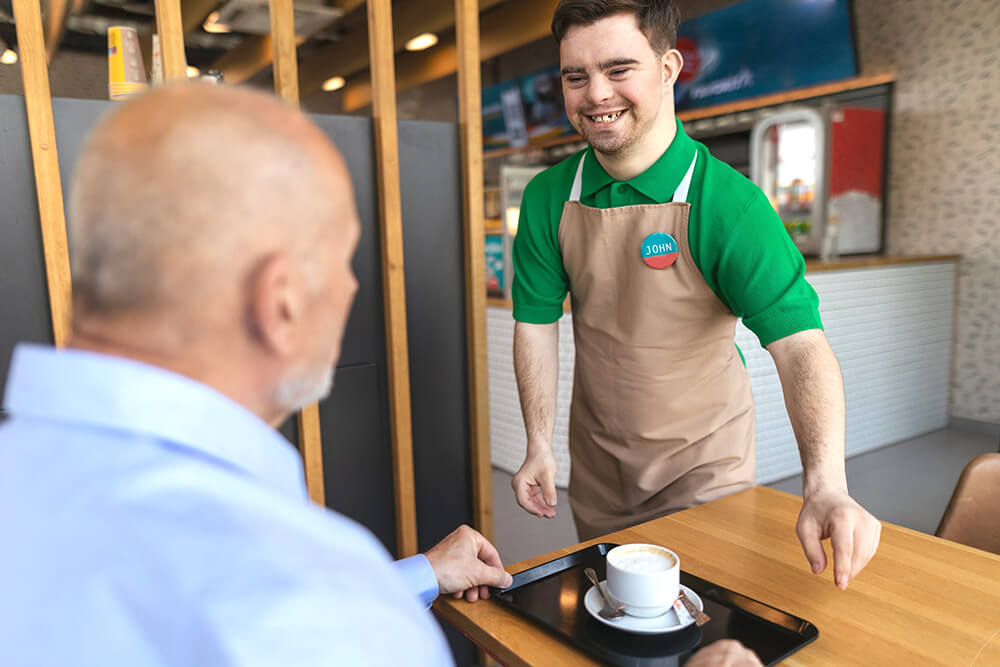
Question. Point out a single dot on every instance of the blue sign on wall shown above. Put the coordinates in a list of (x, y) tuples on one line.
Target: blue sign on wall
[(525, 110), (758, 47)]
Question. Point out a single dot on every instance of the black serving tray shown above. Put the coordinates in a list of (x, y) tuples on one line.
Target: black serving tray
[(552, 595)]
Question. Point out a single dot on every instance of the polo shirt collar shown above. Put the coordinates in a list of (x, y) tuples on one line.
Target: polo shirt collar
[(152, 404), (658, 182)]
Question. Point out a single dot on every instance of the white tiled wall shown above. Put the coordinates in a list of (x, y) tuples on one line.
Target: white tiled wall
[(891, 328)]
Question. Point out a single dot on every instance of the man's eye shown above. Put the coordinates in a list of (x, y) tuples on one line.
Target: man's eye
[(619, 72), (573, 80)]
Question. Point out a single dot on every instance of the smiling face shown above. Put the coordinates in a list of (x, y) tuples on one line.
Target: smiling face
[(618, 91)]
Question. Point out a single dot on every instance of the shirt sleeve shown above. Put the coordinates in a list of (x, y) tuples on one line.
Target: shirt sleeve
[(420, 578), (761, 276), (540, 280)]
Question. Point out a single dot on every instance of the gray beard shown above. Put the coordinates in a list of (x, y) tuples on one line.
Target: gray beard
[(296, 392)]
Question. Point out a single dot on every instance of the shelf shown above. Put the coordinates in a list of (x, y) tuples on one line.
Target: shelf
[(773, 99)]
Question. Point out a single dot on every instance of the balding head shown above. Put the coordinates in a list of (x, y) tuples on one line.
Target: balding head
[(181, 188), (183, 200)]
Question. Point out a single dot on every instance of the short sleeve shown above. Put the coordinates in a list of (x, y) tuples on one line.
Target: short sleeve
[(761, 275), (540, 280)]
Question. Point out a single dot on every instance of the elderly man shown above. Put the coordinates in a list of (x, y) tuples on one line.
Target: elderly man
[(151, 514)]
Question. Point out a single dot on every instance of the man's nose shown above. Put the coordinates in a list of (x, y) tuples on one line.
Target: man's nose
[(599, 90)]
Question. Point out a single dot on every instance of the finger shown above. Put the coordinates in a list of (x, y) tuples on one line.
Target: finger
[(492, 576), (472, 594), (488, 553), (842, 541), (484, 592), (866, 539), (809, 535), (539, 501), (457, 595), (522, 492), (548, 484)]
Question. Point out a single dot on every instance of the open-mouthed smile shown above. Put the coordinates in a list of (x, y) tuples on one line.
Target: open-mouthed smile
[(606, 119)]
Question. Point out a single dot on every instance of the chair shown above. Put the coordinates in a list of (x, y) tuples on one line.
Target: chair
[(973, 514)]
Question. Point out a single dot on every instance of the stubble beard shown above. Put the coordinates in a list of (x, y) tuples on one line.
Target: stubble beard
[(295, 392)]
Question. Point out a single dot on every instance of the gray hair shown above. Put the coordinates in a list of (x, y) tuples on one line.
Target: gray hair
[(172, 200)]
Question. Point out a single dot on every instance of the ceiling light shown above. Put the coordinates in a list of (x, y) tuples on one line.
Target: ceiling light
[(212, 24), (421, 42), (333, 83), (8, 57), (193, 71)]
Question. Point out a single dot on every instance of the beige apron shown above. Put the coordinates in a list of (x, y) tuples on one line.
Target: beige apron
[(662, 415)]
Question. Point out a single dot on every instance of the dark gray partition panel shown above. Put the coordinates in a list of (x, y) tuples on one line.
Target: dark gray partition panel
[(24, 300), (430, 184), (435, 308)]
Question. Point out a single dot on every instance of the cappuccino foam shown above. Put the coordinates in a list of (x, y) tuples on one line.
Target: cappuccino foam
[(645, 561)]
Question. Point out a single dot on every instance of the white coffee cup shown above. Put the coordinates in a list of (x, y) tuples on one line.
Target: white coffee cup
[(644, 577)]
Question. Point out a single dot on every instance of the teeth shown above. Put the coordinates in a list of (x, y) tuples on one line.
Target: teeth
[(607, 118)]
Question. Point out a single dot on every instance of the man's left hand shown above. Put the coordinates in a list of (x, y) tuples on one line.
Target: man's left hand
[(853, 533), (466, 564)]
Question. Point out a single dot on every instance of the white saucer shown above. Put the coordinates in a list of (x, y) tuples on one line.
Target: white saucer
[(644, 626)]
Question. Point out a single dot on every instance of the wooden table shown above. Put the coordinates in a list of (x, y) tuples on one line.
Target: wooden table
[(921, 600)]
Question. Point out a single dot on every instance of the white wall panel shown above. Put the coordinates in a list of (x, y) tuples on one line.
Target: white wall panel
[(891, 328)]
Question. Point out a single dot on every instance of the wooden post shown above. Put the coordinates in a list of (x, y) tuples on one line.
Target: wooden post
[(471, 128), (48, 183), (393, 284), (55, 24), (171, 31), (286, 85)]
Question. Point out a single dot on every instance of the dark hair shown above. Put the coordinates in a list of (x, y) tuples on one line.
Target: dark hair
[(657, 19)]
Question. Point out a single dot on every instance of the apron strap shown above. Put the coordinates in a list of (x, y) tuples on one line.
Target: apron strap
[(574, 193), (680, 194)]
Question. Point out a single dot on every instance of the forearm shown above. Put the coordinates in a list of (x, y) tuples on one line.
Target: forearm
[(814, 397), (536, 367)]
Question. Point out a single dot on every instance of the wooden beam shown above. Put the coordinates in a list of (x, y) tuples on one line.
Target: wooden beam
[(518, 23), (193, 14), (393, 278), (286, 66), (55, 25), (253, 54), (171, 30), (48, 183), (286, 86), (470, 119), (349, 55)]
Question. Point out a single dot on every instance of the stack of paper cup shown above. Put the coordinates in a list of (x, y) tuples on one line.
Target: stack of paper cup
[(126, 73)]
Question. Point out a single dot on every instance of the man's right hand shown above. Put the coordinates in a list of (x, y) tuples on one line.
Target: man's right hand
[(724, 653), (535, 484)]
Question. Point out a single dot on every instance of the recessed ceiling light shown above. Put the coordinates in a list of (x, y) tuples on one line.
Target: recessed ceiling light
[(193, 71), (333, 83), (212, 24), (7, 56), (421, 42)]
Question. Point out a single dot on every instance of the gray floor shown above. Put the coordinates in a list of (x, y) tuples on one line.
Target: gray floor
[(908, 484)]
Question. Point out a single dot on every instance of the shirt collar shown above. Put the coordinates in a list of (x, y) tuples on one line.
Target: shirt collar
[(658, 182), (90, 389)]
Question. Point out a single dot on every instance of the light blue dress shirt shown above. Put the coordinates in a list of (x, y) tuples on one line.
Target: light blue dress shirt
[(146, 519)]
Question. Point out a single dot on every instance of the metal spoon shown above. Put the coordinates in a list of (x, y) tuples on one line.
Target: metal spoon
[(610, 609)]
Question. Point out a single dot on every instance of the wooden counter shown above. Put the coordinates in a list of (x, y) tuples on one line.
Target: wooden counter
[(921, 601)]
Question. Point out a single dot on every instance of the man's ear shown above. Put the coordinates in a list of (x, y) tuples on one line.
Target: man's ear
[(673, 63), (276, 307)]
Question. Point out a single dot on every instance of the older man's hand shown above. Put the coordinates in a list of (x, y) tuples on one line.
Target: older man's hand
[(853, 533), (466, 564), (724, 653)]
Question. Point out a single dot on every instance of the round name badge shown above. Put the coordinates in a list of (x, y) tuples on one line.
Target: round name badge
[(659, 250)]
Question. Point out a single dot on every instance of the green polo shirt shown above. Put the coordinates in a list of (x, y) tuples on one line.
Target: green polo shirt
[(737, 239)]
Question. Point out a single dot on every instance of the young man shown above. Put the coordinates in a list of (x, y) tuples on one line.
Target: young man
[(663, 249)]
